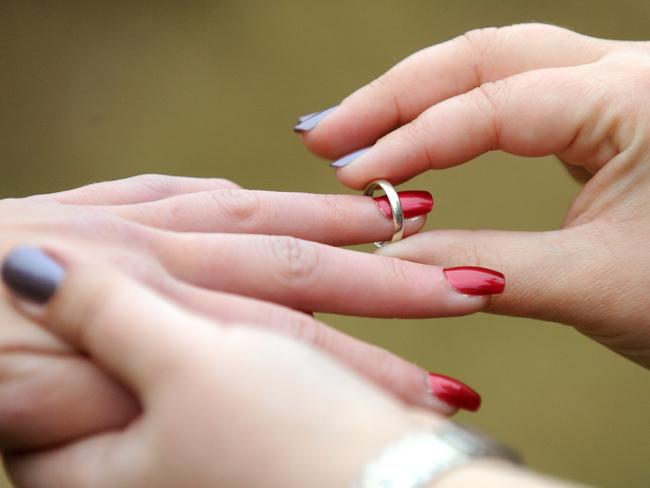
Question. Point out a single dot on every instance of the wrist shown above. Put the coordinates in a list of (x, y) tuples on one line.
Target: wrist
[(376, 431), (446, 455)]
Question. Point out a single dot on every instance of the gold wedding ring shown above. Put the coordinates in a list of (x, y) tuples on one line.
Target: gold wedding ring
[(395, 206)]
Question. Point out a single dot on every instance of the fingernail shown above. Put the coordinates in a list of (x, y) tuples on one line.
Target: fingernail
[(345, 160), (302, 118), (32, 274), (309, 122), (454, 393), (472, 280), (414, 204)]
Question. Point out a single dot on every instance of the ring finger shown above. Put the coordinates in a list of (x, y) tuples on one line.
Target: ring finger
[(311, 276)]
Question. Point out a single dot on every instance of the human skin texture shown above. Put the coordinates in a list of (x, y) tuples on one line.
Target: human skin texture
[(530, 90), (215, 399), (233, 255)]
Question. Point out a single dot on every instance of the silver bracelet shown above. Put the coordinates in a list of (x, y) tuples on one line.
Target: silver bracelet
[(418, 459)]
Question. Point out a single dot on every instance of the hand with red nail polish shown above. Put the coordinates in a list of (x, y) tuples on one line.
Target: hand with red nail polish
[(206, 391), (213, 399), (230, 254), (530, 90)]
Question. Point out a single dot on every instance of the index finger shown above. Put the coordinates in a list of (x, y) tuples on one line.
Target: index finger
[(443, 71)]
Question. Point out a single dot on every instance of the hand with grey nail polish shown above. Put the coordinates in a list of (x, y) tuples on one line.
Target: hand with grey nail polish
[(233, 255), (530, 90)]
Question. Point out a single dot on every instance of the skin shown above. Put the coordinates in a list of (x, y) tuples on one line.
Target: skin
[(530, 90), (494, 89), (204, 387), (230, 254)]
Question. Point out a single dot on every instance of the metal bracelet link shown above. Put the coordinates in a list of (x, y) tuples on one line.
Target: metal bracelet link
[(419, 458)]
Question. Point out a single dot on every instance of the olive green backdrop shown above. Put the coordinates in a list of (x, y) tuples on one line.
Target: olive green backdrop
[(101, 90)]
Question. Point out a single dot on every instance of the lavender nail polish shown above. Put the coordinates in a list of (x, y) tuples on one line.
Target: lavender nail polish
[(32, 274), (309, 122), (345, 160), (302, 118)]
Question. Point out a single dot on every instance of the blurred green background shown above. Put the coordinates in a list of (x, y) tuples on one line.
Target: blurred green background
[(101, 90)]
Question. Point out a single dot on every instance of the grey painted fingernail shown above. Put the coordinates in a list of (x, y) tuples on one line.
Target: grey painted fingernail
[(302, 118), (309, 122), (32, 274), (345, 160)]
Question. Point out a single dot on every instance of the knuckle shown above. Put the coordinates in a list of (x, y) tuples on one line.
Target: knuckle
[(104, 226), (382, 88), (482, 40), (298, 326), (478, 44), (383, 367), (156, 183), (295, 260), (479, 40), (473, 251), (531, 30), (225, 183), (420, 129), (418, 133), (240, 206), (488, 98), (483, 44)]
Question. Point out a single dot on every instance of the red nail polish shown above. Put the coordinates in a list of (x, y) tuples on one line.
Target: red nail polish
[(414, 204), (454, 393), (472, 280)]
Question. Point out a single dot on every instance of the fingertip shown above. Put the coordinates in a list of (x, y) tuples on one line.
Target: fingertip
[(307, 123), (345, 128), (352, 179), (321, 144), (31, 274), (320, 132), (414, 225), (454, 393)]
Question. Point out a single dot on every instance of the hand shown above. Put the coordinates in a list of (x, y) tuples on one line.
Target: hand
[(221, 406), (178, 235), (530, 90), (215, 400)]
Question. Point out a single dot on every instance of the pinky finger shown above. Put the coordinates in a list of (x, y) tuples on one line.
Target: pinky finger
[(409, 382)]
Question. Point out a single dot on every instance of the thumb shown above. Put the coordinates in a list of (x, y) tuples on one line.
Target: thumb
[(546, 271), (124, 327)]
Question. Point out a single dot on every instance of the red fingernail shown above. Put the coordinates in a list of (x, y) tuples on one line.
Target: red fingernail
[(472, 280), (454, 393), (414, 204)]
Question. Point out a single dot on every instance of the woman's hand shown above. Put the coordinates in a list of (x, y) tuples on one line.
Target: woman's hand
[(192, 241), (530, 90), (220, 406)]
